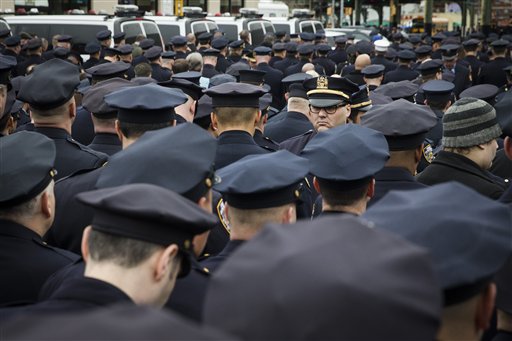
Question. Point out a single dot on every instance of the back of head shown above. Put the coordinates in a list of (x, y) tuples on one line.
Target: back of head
[(362, 61), (195, 61)]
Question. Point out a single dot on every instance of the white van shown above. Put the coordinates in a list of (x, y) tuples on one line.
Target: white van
[(232, 26), (83, 28), (171, 26), (297, 25)]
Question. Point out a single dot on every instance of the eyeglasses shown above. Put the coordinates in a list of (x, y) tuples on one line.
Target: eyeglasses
[(329, 110)]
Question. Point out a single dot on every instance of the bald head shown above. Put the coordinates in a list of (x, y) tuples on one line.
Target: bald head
[(308, 67), (362, 61)]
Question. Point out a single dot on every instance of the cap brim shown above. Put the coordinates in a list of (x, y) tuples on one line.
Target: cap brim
[(324, 103)]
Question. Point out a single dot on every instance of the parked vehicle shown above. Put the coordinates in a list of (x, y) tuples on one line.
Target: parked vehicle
[(249, 20)]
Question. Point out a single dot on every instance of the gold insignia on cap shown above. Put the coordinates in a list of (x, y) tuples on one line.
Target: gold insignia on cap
[(428, 153), (322, 83), (53, 172), (297, 193), (186, 244), (208, 182)]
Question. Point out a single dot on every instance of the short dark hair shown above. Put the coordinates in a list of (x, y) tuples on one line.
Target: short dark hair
[(122, 251), (142, 70), (180, 65), (235, 115), (135, 130), (335, 195), (437, 104)]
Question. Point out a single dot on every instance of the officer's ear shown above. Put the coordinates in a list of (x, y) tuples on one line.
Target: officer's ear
[(316, 185), (213, 119), (371, 189), (72, 108), (84, 246), (289, 215), (507, 147), (165, 266), (258, 117), (417, 153), (485, 307), (119, 133)]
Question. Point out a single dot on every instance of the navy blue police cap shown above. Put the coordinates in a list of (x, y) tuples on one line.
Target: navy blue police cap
[(64, 38), (406, 55), (179, 41), (205, 37), (255, 77), (211, 53), (191, 76), (404, 124), (235, 95), (34, 44), (153, 52), (186, 168), (188, 87), (500, 43), (236, 44), (5, 32), (396, 90), (295, 78), (439, 36), (169, 55), (50, 85), (278, 47), (93, 100), (146, 43), (423, 50), (456, 236), (263, 51), (264, 102), (340, 40), (430, 67), (166, 217), (125, 49), (485, 92), (323, 48), (108, 70), (221, 79), (119, 35), (373, 71), (406, 46), (291, 47), (103, 35), (220, 43), (12, 41), (329, 91), (204, 107), (360, 100), (364, 47), (438, 90), (92, 47), (305, 50), (150, 103), (449, 51), (471, 43), (242, 188), (61, 52), (396, 283), (307, 36), (297, 90), (346, 156), (27, 167)]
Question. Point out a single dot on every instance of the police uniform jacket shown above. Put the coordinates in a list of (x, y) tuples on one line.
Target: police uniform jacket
[(264, 141), (21, 68), (222, 64), (80, 294), (454, 167), (71, 217), (293, 124), (159, 73), (475, 65), (502, 166), (338, 56), (213, 263), (106, 143), (435, 134), (82, 129), (285, 63), (71, 155), (234, 59), (273, 78), (388, 65), (393, 178), (181, 55), (461, 78), (55, 281), (188, 295), (274, 60), (234, 145), (492, 72), (401, 73), (296, 144), (209, 71), (328, 65), (90, 63), (26, 262)]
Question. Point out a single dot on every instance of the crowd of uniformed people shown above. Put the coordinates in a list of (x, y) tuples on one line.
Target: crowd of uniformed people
[(292, 190)]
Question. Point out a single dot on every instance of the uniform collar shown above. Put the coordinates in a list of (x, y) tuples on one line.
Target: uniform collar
[(394, 174), (106, 138), (13, 229), (53, 133), (235, 136)]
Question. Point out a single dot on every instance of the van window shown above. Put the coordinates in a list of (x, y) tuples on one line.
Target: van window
[(152, 32), (307, 27), (257, 33), (319, 27), (3, 25), (269, 28), (132, 30), (41, 30), (282, 27), (212, 27), (169, 31), (198, 27), (82, 34), (230, 31)]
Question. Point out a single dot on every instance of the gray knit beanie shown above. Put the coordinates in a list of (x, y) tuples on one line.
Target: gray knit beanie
[(469, 122)]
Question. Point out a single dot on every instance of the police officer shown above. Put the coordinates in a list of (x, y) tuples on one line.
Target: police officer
[(465, 278), (438, 96), (326, 63), (306, 56), (236, 111), (125, 56), (290, 58), (27, 209), (381, 47), (104, 37), (154, 56), (236, 48), (179, 45), (185, 112), (34, 52), (360, 103), (470, 50), (492, 72), (221, 45), (344, 176), (273, 77), (209, 63), (278, 53), (405, 126), (373, 75), (139, 109), (114, 272), (204, 41), (403, 71), (454, 71), (49, 91), (103, 116), (93, 50)]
